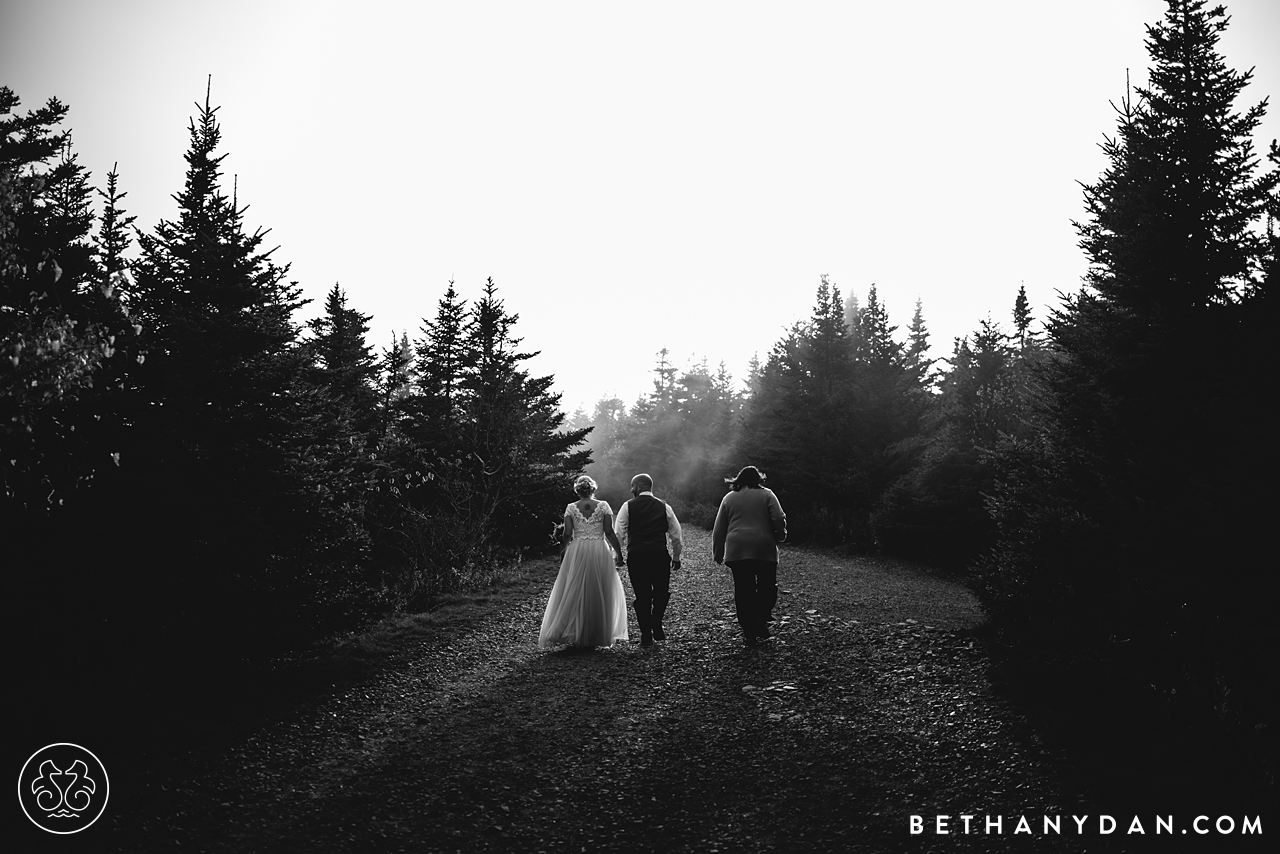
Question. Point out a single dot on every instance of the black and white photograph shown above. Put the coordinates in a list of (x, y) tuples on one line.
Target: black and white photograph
[(706, 426)]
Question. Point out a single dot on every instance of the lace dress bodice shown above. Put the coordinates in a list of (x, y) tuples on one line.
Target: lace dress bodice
[(589, 527)]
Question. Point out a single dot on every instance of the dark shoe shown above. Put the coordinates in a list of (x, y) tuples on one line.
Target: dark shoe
[(646, 639), (658, 633), (763, 633), (749, 640)]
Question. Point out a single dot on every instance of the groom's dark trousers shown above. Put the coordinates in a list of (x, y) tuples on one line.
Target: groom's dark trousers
[(648, 562), (650, 573)]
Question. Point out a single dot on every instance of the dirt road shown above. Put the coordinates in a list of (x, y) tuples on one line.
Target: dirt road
[(869, 705)]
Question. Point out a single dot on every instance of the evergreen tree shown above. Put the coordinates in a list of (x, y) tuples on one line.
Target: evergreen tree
[(608, 424), (214, 394), (1147, 471), (109, 300), (987, 397), (456, 493), (520, 458), (346, 364), (827, 356), (1175, 254), (335, 424), (751, 386), (875, 345), (396, 368), (702, 435), (69, 224), (649, 437), (799, 427), (917, 349), (837, 408), (978, 405), (664, 381), (578, 419), (692, 396), (58, 323), (728, 402), (852, 313), (606, 417), (892, 396), (217, 310), (114, 237), (443, 357), (1022, 316)]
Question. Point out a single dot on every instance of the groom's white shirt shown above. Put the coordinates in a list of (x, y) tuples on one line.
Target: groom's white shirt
[(673, 527)]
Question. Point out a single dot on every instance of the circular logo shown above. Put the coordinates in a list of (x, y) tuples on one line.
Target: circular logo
[(63, 788)]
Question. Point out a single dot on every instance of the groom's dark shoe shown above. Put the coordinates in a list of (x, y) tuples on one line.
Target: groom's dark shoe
[(658, 633), (646, 639)]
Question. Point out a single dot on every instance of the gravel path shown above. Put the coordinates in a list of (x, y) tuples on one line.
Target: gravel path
[(869, 705)]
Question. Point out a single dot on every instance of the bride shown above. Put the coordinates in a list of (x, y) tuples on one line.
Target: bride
[(588, 607)]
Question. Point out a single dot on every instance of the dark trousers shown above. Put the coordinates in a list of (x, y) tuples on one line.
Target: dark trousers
[(650, 573), (755, 592)]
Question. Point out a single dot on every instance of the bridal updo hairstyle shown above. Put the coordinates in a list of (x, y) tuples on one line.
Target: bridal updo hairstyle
[(750, 477), (584, 486)]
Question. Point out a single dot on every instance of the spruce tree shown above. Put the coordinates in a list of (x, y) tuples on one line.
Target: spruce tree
[(443, 359), (114, 236), (608, 423), (799, 426), (889, 393), (217, 311), (395, 374), (664, 381), (827, 350), (876, 347), (69, 222), (1175, 245), (58, 322), (464, 484), (59, 431), (917, 349), (1141, 506), (1022, 316), (935, 510), (345, 360), (214, 392), (852, 312), (518, 458)]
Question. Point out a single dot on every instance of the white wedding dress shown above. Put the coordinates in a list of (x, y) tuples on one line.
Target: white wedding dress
[(587, 607)]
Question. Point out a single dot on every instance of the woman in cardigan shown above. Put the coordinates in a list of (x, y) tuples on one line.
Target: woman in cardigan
[(749, 526)]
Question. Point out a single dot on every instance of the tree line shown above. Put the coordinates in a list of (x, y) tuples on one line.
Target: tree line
[(178, 449), (1099, 476)]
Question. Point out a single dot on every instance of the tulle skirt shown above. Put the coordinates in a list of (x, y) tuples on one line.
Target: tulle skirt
[(587, 607)]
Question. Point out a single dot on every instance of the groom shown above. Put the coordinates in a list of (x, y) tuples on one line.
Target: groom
[(644, 524)]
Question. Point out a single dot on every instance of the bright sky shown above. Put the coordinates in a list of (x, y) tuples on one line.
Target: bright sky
[(633, 176)]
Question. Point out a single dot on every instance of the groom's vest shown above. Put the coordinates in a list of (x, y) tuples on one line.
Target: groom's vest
[(646, 524)]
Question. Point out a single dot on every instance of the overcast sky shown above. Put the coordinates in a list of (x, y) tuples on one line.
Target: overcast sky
[(632, 175)]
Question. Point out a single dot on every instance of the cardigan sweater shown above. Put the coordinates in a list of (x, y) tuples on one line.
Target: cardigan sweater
[(749, 526)]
